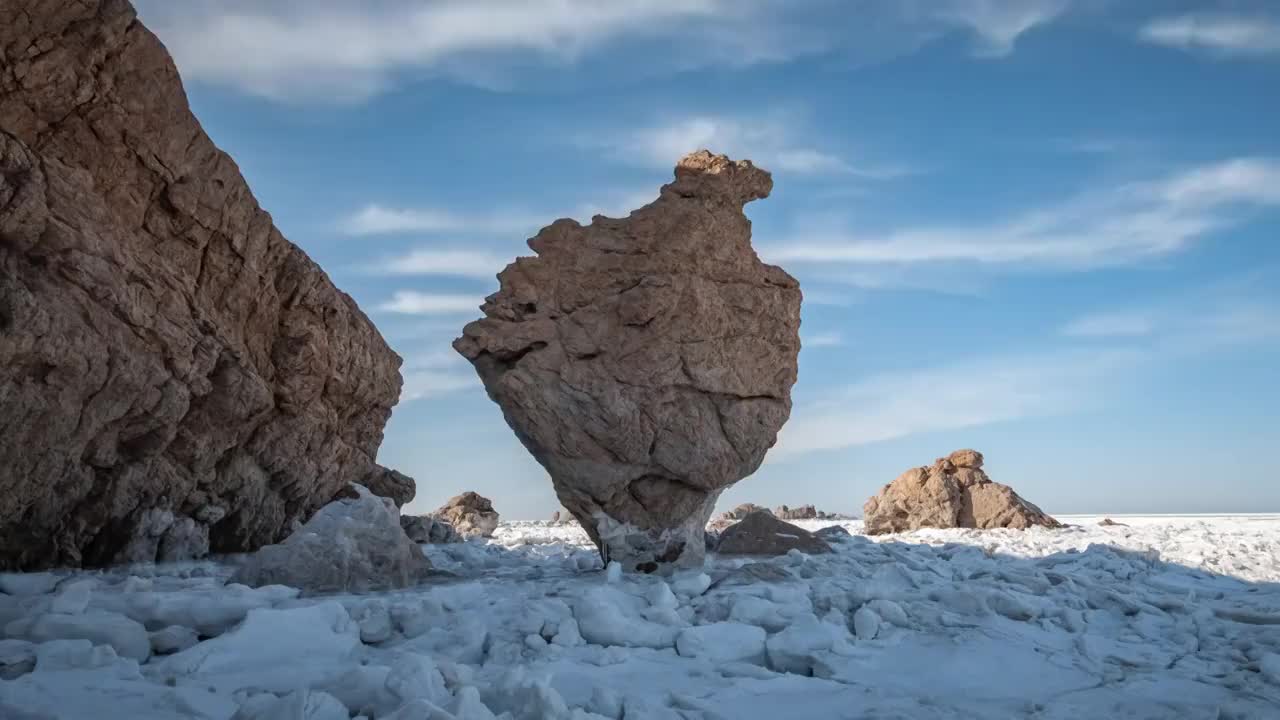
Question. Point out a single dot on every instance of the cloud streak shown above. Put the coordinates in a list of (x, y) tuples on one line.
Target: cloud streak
[(1216, 33), (413, 302), (1114, 226), (333, 51)]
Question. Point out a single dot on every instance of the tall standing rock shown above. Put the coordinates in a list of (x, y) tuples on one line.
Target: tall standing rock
[(174, 374), (646, 362)]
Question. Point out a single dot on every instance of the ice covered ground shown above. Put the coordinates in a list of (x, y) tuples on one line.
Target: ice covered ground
[(1167, 617)]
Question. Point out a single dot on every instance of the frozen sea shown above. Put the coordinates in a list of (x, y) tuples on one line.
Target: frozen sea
[(1159, 617)]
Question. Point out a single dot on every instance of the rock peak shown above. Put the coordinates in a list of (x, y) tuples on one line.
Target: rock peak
[(702, 173)]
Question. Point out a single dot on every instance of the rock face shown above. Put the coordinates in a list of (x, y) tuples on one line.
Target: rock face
[(173, 372), (646, 362), (471, 514), (354, 544), (760, 533), (953, 493)]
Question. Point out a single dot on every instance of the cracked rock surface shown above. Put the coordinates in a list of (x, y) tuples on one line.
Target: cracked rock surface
[(646, 362), (175, 375)]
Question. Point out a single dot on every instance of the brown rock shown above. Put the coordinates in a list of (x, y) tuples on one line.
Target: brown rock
[(646, 362), (471, 514), (953, 493), (760, 533), (389, 483), (167, 358)]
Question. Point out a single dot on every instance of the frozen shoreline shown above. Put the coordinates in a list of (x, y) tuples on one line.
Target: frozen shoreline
[(1170, 617)]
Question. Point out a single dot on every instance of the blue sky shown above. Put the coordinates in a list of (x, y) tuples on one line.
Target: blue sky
[(1047, 229)]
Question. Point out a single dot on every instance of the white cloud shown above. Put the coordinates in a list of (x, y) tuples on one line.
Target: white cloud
[(456, 263), (1109, 226), (422, 384), (979, 392), (823, 339), (338, 51), (376, 219), (778, 142), (1216, 33), (997, 24), (412, 302)]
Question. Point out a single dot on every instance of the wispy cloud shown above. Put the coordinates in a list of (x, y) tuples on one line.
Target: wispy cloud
[(979, 392), (337, 51), (778, 142), (1216, 33), (1109, 226), (444, 262), (412, 302), (432, 373), (1242, 312), (376, 219), (1128, 323), (829, 338)]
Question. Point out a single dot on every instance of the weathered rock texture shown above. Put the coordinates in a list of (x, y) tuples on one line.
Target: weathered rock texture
[(760, 533), (354, 544), (163, 348), (471, 514), (953, 493), (646, 362)]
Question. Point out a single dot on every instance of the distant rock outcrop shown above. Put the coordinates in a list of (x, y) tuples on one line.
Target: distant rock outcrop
[(175, 375), (760, 533), (354, 544), (646, 362), (953, 493), (471, 514), (729, 517)]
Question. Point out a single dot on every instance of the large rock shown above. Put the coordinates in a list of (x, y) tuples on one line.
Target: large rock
[(354, 544), (646, 362), (953, 493), (471, 514), (729, 517), (167, 357), (760, 533)]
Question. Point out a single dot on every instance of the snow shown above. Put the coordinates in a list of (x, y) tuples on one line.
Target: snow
[(1161, 617)]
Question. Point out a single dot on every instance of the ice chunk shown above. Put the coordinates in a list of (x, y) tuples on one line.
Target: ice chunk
[(866, 623), (1269, 665), (723, 642), (758, 611), (613, 572), (798, 648), (602, 621), (690, 584), (363, 689), (73, 597), (172, 639), (416, 677), (374, 621), (567, 634), (127, 637), (298, 705), (27, 584), (17, 657), (264, 651)]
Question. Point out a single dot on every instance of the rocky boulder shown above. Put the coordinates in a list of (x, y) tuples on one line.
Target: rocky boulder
[(471, 514), (804, 512), (428, 529), (729, 517), (646, 362), (760, 533), (174, 373), (354, 544), (953, 493)]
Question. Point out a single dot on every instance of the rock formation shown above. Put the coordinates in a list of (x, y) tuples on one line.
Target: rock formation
[(760, 533), (953, 493), (804, 512), (646, 362), (354, 544), (729, 517), (173, 372), (471, 514), (427, 529)]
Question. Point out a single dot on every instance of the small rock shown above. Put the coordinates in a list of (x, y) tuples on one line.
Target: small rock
[(470, 514)]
